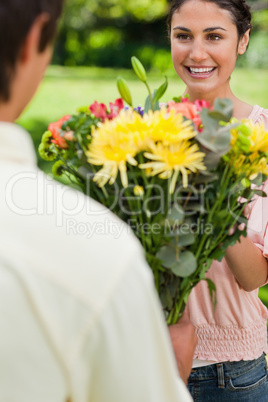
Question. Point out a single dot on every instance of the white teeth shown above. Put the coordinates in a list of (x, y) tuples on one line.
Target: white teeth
[(200, 70)]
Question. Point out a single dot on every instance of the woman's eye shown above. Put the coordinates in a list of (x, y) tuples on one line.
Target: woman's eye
[(183, 37), (214, 37)]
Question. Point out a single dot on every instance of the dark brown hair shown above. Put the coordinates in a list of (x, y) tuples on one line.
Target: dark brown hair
[(239, 10), (16, 19)]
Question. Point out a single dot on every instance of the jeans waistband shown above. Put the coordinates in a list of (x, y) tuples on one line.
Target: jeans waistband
[(226, 369)]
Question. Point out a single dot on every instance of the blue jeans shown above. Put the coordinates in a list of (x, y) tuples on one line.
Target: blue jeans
[(243, 381)]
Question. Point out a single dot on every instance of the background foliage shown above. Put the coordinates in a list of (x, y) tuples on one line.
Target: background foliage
[(107, 33)]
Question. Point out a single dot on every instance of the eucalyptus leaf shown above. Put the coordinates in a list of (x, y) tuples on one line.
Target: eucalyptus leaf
[(184, 240), (147, 105), (218, 115), (212, 159), (185, 265), (175, 214), (156, 106), (168, 255), (225, 106)]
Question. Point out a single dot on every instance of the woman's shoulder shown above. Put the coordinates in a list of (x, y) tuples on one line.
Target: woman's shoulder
[(259, 115)]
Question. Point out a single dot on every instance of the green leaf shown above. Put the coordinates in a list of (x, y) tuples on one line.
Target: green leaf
[(260, 193), (161, 90), (212, 291), (185, 265), (166, 299)]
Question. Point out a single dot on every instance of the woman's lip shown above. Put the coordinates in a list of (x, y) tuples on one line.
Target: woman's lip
[(200, 75)]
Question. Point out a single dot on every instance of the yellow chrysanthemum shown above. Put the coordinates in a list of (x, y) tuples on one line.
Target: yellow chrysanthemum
[(170, 161), (169, 127), (258, 137), (249, 166), (112, 147), (133, 125)]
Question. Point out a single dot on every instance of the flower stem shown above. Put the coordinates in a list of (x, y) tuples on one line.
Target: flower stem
[(150, 95)]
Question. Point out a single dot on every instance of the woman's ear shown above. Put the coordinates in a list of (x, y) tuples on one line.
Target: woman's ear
[(31, 44), (243, 43)]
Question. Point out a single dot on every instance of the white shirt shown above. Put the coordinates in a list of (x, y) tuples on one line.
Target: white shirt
[(80, 318)]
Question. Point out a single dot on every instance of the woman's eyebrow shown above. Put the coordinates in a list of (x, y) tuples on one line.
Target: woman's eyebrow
[(213, 29), (182, 29), (205, 30)]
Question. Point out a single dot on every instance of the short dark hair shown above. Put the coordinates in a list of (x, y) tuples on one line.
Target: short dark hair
[(16, 19), (239, 10)]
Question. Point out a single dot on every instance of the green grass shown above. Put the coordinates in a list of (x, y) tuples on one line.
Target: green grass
[(64, 89)]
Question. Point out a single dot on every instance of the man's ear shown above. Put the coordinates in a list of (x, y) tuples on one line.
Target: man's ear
[(31, 43), (243, 43)]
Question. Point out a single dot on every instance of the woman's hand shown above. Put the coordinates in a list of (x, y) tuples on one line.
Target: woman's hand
[(184, 342)]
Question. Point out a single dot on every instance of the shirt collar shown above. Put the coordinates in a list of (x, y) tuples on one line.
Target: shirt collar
[(16, 145)]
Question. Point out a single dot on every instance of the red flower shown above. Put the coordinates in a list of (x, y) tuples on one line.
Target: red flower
[(115, 108), (55, 129), (99, 110)]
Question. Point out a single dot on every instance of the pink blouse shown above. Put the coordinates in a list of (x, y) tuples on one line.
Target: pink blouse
[(237, 330)]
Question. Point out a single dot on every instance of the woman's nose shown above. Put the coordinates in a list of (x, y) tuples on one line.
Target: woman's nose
[(198, 52)]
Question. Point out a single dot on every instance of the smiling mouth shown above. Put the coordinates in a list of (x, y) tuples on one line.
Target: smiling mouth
[(201, 70)]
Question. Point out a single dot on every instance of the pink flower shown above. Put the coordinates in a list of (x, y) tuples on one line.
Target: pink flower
[(99, 110), (200, 104), (69, 136), (55, 129), (187, 109), (115, 108)]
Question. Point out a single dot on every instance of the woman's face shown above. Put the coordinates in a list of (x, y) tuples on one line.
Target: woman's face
[(204, 48)]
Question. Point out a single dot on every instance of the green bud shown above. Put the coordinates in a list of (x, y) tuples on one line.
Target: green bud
[(245, 182), (58, 168), (244, 140), (244, 129), (46, 138), (83, 109), (124, 90), (139, 69), (46, 153)]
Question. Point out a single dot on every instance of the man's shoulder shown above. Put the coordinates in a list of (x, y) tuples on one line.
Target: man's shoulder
[(65, 236)]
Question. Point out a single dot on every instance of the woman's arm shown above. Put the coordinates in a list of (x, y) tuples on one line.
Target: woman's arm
[(184, 342), (247, 263)]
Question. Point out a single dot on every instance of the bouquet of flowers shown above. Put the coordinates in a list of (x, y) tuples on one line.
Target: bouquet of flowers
[(180, 174)]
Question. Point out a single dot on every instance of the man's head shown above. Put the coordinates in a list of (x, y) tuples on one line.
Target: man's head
[(24, 23)]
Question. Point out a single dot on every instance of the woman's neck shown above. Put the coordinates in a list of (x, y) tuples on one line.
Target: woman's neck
[(241, 109)]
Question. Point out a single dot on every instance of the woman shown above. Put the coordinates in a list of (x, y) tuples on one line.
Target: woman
[(206, 38)]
